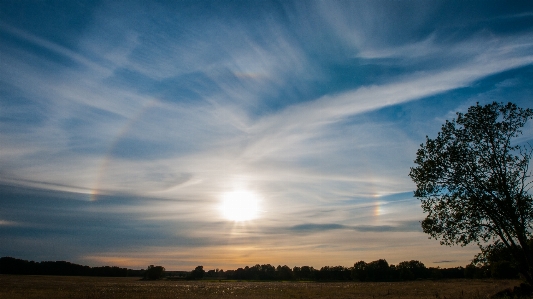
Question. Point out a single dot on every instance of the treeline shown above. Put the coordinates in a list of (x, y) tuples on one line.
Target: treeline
[(491, 266), (9, 265), (378, 270)]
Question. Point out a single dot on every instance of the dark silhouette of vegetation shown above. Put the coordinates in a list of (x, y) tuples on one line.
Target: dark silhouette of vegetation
[(374, 271), (493, 266), (154, 272), (410, 270), (379, 270), (303, 273), (336, 273), (498, 262), (197, 273), (473, 181), (215, 273), (9, 265)]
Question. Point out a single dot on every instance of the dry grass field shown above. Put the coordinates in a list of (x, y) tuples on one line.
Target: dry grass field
[(14, 287)]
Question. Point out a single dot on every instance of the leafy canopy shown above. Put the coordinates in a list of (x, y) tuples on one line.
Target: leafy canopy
[(473, 181)]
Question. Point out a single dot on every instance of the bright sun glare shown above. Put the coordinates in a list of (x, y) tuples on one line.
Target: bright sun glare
[(240, 205)]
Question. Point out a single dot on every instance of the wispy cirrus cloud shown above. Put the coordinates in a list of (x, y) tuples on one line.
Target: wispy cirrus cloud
[(405, 226), (259, 138)]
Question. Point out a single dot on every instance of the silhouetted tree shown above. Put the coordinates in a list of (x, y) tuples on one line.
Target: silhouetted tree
[(498, 261), (378, 270), (473, 181), (359, 271), (471, 271), (304, 273), (503, 270), (374, 271), (266, 272), (10, 265), (154, 272), (284, 272), (198, 272), (445, 273), (410, 270), (334, 273)]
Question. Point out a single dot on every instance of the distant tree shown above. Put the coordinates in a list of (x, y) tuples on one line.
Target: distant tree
[(154, 272), (198, 273), (378, 270), (211, 273), (410, 270), (473, 181), (10, 265), (359, 271), (284, 272), (216, 273), (266, 272), (470, 271), (374, 271), (334, 273), (304, 273), (435, 272), (445, 273), (297, 272), (237, 274)]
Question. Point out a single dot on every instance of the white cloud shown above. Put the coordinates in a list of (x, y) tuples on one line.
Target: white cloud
[(228, 141)]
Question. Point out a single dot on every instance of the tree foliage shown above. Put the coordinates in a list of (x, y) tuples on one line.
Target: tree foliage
[(378, 270), (10, 265), (197, 273), (154, 272), (410, 270), (473, 181)]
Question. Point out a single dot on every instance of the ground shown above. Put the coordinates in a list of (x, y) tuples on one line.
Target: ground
[(14, 287)]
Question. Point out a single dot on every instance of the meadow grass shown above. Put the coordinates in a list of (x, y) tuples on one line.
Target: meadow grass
[(61, 287)]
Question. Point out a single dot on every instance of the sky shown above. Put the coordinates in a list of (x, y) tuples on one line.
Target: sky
[(235, 133)]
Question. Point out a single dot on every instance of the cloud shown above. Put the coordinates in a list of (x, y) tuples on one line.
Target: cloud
[(53, 47), (404, 226), (8, 223), (317, 227), (445, 262), (213, 135)]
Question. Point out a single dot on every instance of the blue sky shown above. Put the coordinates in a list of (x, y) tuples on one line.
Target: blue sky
[(124, 125)]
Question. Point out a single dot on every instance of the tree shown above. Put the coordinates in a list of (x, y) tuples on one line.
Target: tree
[(374, 271), (359, 271), (284, 272), (473, 181), (197, 273), (154, 272), (410, 270), (498, 261), (378, 270), (304, 272)]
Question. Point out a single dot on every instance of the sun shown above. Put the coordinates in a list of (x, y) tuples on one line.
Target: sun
[(241, 205)]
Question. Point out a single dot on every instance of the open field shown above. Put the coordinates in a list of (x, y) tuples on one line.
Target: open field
[(13, 287)]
